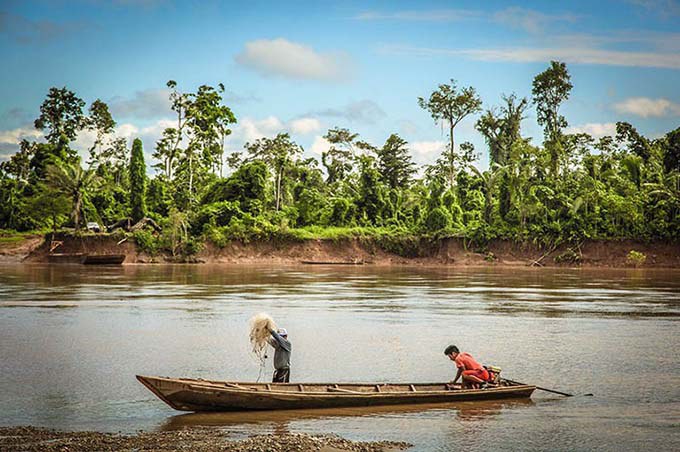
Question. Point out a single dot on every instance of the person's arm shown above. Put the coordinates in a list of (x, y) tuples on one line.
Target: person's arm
[(458, 374), (283, 343)]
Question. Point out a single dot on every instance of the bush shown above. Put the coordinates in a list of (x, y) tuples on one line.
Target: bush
[(636, 258), (216, 214), (147, 241), (438, 219)]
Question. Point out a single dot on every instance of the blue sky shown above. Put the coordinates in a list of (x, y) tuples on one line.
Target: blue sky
[(304, 67)]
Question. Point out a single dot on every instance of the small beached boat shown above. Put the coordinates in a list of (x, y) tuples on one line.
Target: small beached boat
[(65, 258), (187, 394), (103, 259)]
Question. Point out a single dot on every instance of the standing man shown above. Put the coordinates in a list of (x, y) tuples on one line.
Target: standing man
[(282, 349), (472, 372)]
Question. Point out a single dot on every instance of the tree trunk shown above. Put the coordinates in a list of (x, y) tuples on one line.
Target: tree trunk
[(452, 156), (76, 211), (191, 178), (278, 188)]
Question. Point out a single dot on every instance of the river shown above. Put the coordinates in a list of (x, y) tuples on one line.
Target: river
[(72, 339)]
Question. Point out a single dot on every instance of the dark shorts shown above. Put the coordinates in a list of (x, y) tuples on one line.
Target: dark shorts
[(281, 376)]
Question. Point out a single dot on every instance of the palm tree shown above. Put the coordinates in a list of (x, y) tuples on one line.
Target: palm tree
[(76, 183)]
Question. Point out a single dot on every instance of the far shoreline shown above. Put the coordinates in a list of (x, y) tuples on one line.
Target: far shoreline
[(443, 252)]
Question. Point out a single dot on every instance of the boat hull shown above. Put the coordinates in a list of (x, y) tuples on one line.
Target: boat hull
[(65, 258), (202, 395), (104, 259)]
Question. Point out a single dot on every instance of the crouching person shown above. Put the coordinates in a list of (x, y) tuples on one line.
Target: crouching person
[(473, 373)]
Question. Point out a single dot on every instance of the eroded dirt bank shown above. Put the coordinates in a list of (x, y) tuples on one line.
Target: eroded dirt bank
[(198, 439), (450, 251)]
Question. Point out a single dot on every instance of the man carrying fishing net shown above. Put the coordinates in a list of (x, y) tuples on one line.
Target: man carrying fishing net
[(282, 349), (263, 332)]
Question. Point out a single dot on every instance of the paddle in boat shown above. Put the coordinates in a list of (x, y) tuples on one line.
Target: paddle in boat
[(187, 394)]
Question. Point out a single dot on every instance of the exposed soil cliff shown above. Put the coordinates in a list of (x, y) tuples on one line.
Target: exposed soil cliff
[(451, 251)]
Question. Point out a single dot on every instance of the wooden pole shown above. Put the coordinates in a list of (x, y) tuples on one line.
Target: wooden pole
[(544, 389)]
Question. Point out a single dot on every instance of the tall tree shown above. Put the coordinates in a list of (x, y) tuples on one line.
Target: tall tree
[(550, 89), (209, 122), (371, 192), (502, 130), (19, 165), (628, 135), (61, 115), (168, 147), (451, 105), (137, 181), (339, 159), (278, 153), (101, 122), (394, 163)]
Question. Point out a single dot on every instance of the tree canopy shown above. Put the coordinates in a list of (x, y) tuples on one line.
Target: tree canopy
[(570, 187)]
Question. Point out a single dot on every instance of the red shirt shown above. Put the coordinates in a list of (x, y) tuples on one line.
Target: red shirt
[(465, 361)]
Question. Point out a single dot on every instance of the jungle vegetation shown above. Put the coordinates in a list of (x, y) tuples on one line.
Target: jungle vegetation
[(569, 188)]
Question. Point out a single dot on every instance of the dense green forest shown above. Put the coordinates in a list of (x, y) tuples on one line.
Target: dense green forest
[(567, 189)]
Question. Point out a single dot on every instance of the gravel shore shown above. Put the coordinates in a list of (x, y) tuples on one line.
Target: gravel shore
[(195, 439)]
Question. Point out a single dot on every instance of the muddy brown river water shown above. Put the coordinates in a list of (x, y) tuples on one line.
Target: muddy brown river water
[(72, 339)]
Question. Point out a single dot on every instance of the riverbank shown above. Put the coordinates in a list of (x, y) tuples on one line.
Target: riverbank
[(198, 439), (365, 250)]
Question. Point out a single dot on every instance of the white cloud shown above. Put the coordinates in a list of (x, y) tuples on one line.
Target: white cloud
[(14, 136), (574, 55), (304, 126), (646, 107), (283, 58), (127, 130), (594, 129), (427, 148), (249, 129), (319, 145)]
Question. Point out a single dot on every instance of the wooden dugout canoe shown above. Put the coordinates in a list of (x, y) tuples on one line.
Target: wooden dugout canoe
[(187, 394), (103, 259)]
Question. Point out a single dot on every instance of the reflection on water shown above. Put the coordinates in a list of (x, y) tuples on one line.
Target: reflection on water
[(72, 338), (463, 411)]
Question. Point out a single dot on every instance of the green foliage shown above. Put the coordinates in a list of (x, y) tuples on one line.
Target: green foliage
[(61, 115), (75, 183), (158, 198), (248, 185), (550, 89), (215, 214), (565, 190), (671, 159), (636, 258), (147, 241), (450, 105), (438, 219), (137, 181), (394, 163)]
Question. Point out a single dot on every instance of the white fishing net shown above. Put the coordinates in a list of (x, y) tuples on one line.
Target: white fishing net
[(260, 326)]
